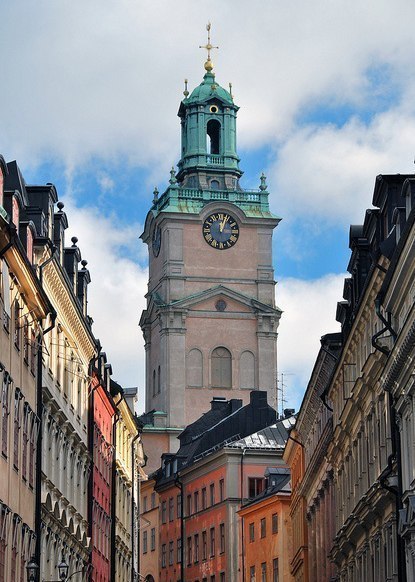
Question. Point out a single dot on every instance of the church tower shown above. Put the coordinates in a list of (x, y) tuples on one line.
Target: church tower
[(210, 326)]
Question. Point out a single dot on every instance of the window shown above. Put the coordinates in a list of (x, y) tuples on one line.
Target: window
[(15, 211), (189, 551), (214, 184), (275, 570), (14, 550), (196, 548), (153, 539), (204, 545), (251, 532), (252, 574), (275, 523), (221, 368), (222, 537), (153, 500), (179, 505), (144, 503), (5, 414), (256, 485), (171, 553), (16, 325), (204, 498), (222, 577), (163, 512), (264, 572), (247, 371), (144, 542), (171, 509), (25, 439), (194, 369), (3, 544), (212, 578), (213, 134), (29, 243), (196, 499), (189, 505), (212, 494), (26, 341), (163, 555), (33, 353), (221, 490), (212, 541), (16, 431), (263, 527), (179, 550), (158, 380)]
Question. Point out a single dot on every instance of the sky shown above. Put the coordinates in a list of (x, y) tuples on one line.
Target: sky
[(89, 97)]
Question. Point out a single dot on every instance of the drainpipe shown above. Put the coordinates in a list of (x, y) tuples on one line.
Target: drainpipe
[(39, 413), (132, 512), (179, 485), (113, 491), (242, 498), (396, 446)]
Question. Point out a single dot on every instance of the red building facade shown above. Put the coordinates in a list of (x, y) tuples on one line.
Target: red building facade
[(203, 485), (102, 413)]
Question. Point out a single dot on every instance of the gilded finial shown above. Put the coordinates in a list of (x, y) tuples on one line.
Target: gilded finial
[(209, 46), (185, 92)]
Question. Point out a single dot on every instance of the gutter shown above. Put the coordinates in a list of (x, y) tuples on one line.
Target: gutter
[(179, 485), (133, 513)]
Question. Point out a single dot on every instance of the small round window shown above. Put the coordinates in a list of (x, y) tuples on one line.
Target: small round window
[(213, 109)]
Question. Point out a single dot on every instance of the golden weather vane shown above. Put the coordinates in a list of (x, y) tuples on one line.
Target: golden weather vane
[(209, 46)]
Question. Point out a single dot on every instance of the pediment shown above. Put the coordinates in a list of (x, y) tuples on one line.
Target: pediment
[(208, 298)]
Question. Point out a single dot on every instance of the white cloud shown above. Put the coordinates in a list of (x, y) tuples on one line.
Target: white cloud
[(116, 293), (309, 310), (104, 79), (328, 173)]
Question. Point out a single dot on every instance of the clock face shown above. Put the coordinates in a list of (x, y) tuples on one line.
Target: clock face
[(156, 241), (220, 230)]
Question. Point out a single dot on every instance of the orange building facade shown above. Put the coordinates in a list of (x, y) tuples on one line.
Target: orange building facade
[(267, 537)]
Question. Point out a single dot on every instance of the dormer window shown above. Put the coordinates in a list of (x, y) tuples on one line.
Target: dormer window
[(1, 187), (213, 134), (15, 211), (29, 244)]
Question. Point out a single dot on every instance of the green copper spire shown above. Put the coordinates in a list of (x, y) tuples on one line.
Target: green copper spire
[(208, 169), (208, 118)]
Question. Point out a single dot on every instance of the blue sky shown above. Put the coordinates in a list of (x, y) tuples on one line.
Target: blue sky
[(326, 89)]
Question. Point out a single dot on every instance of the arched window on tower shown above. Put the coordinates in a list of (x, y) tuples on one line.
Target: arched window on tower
[(221, 368), (247, 370), (194, 368), (213, 133)]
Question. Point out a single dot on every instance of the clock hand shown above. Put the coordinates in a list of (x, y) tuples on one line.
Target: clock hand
[(222, 224)]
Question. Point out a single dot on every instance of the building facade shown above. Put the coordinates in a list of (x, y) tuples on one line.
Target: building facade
[(266, 534), (128, 474), (221, 463), (67, 496), (102, 411), (313, 494), (149, 530), (25, 315)]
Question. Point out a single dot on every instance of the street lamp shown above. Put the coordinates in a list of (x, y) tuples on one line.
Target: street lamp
[(63, 569), (32, 570)]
